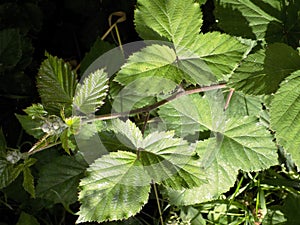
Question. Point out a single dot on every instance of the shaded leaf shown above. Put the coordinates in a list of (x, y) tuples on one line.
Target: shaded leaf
[(8, 172), (27, 219), (270, 20), (10, 48), (59, 179), (31, 126), (263, 71)]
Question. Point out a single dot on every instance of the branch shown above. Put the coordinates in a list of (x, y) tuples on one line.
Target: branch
[(157, 104)]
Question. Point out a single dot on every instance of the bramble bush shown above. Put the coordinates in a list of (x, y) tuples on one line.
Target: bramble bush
[(194, 127)]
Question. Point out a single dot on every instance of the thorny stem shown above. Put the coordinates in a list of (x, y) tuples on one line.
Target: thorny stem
[(137, 111), (157, 104)]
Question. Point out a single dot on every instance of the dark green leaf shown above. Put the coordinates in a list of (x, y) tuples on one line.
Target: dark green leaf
[(31, 126), (27, 219), (59, 179), (10, 48), (56, 85), (263, 71)]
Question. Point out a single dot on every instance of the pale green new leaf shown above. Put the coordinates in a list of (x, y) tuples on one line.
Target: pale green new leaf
[(285, 117), (56, 84), (246, 145), (91, 94), (151, 70), (263, 71), (59, 179), (116, 187), (177, 21)]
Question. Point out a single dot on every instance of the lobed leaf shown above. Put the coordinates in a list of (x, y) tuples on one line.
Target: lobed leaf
[(246, 145), (116, 187)]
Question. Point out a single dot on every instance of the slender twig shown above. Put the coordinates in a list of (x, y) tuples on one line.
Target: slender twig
[(157, 104), (158, 203), (228, 98), (147, 109), (145, 123)]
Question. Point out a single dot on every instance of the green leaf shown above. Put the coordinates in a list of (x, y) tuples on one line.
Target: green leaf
[(127, 98), (285, 117), (31, 126), (27, 219), (151, 70), (244, 105), (263, 71), (177, 21), (246, 145), (121, 177), (166, 159), (28, 182), (10, 51), (169, 161), (56, 84), (28, 179), (91, 93), (2, 144), (291, 204), (112, 182), (8, 172), (58, 180), (185, 115), (127, 133), (221, 53), (270, 20), (36, 111)]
